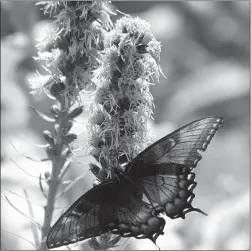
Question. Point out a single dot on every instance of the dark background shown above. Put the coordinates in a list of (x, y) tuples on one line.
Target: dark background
[(205, 56)]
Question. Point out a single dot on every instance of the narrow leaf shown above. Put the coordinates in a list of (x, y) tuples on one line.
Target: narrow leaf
[(27, 157), (33, 203), (46, 116), (71, 184), (32, 220), (24, 170), (19, 236), (37, 145), (41, 186)]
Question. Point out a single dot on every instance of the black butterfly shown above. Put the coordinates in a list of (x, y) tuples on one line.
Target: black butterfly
[(159, 180)]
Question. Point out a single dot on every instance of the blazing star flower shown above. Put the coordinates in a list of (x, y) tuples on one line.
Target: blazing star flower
[(122, 94), (69, 51)]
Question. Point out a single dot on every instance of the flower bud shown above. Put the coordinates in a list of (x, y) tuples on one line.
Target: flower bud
[(47, 175), (55, 110), (76, 112), (48, 137), (57, 89), (67, 139), (94, 169), (51, 152), (66, 129)]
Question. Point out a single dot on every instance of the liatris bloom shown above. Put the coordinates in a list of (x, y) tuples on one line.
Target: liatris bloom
[(69, 52), (122, 102), (71, 44)]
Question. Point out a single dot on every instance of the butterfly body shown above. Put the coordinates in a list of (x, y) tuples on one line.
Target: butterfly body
[(159, 180)]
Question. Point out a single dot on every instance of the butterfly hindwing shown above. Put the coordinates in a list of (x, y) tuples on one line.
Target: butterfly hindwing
[(171, 191), (110, 206), (165, 169)]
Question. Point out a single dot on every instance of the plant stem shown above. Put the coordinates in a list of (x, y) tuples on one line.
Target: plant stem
[(48, 209), (54, 181)]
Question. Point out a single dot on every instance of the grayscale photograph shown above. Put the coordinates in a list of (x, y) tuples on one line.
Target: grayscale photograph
[(125, 125)]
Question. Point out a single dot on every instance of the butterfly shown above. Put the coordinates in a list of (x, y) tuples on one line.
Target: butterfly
[(160, 179)]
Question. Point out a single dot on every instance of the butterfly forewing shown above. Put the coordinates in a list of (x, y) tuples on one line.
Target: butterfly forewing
[(111, 206), (179, 147)]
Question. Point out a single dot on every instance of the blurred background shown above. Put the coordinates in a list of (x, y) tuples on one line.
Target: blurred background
[(205, 56)]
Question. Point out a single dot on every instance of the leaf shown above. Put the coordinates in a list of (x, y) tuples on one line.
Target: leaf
[(19, 236), (27, 157), (46, 116)]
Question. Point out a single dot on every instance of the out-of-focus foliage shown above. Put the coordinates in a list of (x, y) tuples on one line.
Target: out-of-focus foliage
[(205, 56)]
